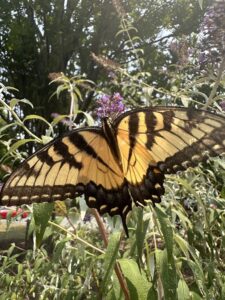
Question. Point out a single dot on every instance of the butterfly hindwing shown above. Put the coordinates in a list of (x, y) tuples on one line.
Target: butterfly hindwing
[(158, 141)]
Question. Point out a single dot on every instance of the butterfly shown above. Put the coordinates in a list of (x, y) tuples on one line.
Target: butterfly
[(123, 161)]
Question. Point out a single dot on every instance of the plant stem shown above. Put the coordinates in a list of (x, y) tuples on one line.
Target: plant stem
[(216, 85), (124, 26), (71, 105), (76, 237), (159, 280), (101, 226), (117, 268), (122, 281), (19, 122)]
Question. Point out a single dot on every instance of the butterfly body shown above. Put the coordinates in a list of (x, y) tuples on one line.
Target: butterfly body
[(123, 161), (109, 133)]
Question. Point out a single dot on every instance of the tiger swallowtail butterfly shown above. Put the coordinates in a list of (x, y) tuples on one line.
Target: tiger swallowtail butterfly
[(122, 161)]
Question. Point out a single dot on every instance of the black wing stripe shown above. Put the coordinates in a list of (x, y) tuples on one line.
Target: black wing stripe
[(133, 129), (150, 122), (62, 149), (167, 119), (79, 141)]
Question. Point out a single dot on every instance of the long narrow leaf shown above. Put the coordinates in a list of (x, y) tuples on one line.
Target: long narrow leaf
[(42, 213), (141, 229), (137, 283), (183, 291), (14, 102), (37, 117), (19, 143), (167, 267), (110, 259), (5, 127), (167, 274)]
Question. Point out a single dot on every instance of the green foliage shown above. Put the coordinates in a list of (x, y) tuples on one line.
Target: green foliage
[(44, 38), (165, 259), (42, 213), (110, 259), (175, 250), (182, 251), (137, 282)]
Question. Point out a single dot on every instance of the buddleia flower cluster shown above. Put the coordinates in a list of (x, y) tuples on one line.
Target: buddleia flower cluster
[(222, 105), (119, 8), (105, 62), (212, 41), (110, 105), (181, 50)]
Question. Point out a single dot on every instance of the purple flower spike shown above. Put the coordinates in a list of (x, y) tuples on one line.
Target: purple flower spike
[(109, 105), (213, 33), (222, 105)]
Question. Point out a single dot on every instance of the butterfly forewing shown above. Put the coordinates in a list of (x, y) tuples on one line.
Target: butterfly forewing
[(158, 141), (79, 163)]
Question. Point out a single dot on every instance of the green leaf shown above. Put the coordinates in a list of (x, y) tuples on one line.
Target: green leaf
[(137, 50), (167, 231), (31, 117), (137, 283), (152, 294), (183, 290), (190, 189), (182, 244), (84, 81), (61, 88), (200, 2), (41, 213), (19, 143), (223, 291), (195, 296), (223, 192), (140, 231), (120, 32), (59, 248), (88, 117), (58, 119), (14, 102), (28, 275), (167, 265), (185, 100), (131, 28), (167, 274), (116, 292), (61, 78), (46, 139), (5, 127), (110, 259), (180, 212), (198, 274), (20, 269), (11, 88), (78, 93), (75, 104)]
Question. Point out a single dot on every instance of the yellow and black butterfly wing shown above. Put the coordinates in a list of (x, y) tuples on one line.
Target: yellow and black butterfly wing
[(79, 163), (162, 140), (149, 142)]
